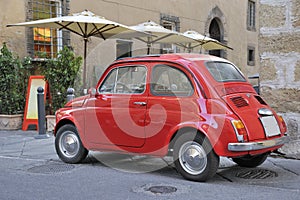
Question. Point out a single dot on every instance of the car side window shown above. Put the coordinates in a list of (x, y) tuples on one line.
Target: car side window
[(170, 81), (125, 80)]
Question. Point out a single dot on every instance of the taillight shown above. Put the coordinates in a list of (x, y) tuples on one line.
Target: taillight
[(283, 124), (239, 129)]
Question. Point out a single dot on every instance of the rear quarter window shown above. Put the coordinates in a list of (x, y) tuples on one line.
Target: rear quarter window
[(224, 72)]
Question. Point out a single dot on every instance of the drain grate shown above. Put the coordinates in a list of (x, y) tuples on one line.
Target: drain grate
[(161, 189), (256, 174), (51, 168)]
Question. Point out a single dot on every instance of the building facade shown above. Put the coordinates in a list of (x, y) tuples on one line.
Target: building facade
[(233, 22), (279, 47)]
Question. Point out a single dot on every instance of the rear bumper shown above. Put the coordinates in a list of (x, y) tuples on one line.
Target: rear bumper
[(252, 146)]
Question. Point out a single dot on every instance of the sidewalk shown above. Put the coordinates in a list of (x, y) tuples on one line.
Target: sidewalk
[(23, 144)]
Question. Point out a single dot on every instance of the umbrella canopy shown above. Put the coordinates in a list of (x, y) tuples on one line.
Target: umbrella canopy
[(202, 41), (159, 34), (85, 24)]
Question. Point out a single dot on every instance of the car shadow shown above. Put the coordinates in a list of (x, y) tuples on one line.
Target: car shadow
[(133, 163), (228, 171)]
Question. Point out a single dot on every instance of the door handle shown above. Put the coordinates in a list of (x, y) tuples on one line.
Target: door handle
[(141, 103)]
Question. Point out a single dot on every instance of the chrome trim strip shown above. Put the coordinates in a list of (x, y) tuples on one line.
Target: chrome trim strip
[(252, 146), (265, 112)]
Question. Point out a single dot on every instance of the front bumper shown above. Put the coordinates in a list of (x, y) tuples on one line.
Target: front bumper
[(252, 146)]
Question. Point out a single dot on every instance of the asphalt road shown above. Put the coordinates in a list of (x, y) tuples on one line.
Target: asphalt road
[(30, 169)]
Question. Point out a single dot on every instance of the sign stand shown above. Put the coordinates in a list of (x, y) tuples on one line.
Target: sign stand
[(31, 108)]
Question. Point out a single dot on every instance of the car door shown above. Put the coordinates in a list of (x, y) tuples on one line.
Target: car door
[(116, 115), (172, 102)]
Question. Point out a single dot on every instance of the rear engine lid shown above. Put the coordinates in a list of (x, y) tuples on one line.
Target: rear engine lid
[(247, 106)]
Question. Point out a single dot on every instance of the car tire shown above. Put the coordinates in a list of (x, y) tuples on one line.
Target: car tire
[(194, 157), (251, 161), (68, 145)]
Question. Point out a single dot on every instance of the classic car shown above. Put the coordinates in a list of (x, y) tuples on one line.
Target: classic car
[(193, 107)]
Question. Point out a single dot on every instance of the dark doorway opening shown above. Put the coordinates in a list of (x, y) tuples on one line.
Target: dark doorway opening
[(215, 33)]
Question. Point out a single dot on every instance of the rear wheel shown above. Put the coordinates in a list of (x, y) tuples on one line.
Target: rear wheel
[(68, 145), (194, 157), (251, 161)]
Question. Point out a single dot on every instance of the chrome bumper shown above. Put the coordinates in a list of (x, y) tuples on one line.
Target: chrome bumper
[(251, 146)]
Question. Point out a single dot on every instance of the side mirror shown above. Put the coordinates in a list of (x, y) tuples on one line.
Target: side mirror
[(92, 91)]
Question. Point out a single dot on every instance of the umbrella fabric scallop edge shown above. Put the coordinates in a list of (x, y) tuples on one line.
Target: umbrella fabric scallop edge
[(202, 41), (159, 34)]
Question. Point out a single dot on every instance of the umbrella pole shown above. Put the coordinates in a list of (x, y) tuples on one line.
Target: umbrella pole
[(84, 65), (149, 43), (148, 49), (189, 48)]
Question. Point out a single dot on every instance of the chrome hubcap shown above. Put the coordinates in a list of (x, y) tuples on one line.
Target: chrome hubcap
[(69, 144), (192, 158)]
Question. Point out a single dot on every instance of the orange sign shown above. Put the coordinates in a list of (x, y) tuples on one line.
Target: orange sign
[(31, 109)]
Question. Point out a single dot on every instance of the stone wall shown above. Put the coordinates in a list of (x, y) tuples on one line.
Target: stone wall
[(279, 46)]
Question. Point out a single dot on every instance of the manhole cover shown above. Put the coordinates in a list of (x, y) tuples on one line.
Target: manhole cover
[(162, 189), (51, 168), (256, 174)]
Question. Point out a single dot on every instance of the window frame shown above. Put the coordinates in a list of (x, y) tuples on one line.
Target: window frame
[(228, 80), (174, 23), (120, 45), (116, 80), (170, 93), (251, 15), (251, 58), (41, 50)]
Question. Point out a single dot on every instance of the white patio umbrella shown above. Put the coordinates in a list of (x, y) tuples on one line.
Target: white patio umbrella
[(159, 34), (85, 24), (202, 42)]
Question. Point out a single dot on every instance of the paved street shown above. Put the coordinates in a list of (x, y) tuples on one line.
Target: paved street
[(30, 169)]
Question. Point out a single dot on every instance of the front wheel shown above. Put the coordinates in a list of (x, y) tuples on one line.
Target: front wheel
[(194, 157), (251, 161), (68, 145)]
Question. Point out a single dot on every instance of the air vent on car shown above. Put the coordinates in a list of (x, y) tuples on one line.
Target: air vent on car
[(239, 102), (260, 100)]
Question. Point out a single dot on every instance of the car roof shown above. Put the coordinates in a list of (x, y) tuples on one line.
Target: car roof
[(173, 57)]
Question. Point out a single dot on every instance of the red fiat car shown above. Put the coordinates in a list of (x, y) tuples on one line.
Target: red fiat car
[(191, 106)]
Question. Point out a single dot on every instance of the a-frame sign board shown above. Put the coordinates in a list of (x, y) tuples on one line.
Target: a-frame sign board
[(31, 108)]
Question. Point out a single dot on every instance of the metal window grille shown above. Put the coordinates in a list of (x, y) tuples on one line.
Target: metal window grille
[(46, 42), (251, 15)]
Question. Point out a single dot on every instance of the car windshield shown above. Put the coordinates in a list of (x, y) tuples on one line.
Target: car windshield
[(224, 72)]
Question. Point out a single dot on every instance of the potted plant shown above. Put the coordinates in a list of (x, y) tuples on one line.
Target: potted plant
[(12, 90), (61, 74)]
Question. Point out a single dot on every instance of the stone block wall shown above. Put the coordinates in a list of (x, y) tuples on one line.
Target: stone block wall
[(279, 47)]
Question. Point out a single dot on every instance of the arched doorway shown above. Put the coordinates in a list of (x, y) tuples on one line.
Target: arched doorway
[(215, 33)]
